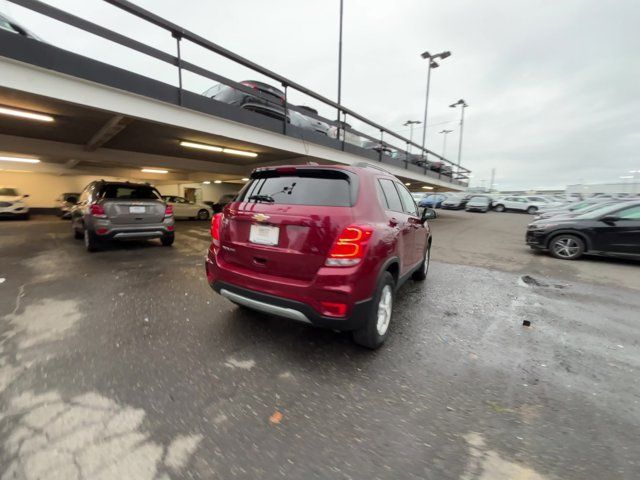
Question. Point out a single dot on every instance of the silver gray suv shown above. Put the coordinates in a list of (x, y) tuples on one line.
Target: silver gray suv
[(121, 211)]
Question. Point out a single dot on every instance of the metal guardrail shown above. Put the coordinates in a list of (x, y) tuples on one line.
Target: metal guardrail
[(180, 33)]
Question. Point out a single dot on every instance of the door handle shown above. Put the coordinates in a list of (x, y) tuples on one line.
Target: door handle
[(393, 222)]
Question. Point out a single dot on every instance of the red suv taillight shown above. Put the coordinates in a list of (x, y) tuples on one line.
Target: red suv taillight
[(216, 223), (349, 248), (97, 210), (168, 211)]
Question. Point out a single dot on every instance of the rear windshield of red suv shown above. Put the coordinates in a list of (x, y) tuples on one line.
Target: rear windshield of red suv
[(329, 188)]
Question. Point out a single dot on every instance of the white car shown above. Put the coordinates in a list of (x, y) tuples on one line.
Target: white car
[(185, 209), (11, 203), (531, 205)]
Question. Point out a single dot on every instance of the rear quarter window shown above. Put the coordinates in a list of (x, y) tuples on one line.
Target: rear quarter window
[(320, 189), (391, 195)]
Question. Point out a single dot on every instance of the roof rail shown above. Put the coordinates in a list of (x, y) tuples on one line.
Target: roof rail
[(369, 165)]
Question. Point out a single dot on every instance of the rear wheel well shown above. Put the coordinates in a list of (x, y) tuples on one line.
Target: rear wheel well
[(394, 270)]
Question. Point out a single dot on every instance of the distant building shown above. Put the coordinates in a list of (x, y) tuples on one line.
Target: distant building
[(591, 189)]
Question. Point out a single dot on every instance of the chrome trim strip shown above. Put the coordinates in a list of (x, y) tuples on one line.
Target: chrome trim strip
[(265, 307), (153, 234)]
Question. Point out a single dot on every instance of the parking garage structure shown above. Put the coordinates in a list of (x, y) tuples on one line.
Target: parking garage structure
[(66, 119)]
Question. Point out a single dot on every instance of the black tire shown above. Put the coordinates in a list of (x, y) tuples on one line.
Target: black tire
[(499, 208), (78, 235), (203, 214), (90, 241), (25, 216), (167, 240), (421, 273), (566, 247), (532, 210), (369, 336)]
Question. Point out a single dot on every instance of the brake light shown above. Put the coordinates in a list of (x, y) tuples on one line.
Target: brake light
[(286, 170), (97, 210), (168, 211), (349, 248), (216, 223), (250, 85)]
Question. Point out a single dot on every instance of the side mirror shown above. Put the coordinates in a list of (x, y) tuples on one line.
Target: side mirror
[(610, 219), (429, 214), (25, 196)]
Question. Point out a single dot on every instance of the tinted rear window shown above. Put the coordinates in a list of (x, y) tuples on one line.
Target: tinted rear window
[(130, 192), (307, 189)]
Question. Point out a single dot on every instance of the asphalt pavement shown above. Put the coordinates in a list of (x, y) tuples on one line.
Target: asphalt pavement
[(124, 364)]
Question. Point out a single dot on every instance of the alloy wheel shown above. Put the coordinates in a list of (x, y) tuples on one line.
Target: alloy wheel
[(566, 247), (385, 306)]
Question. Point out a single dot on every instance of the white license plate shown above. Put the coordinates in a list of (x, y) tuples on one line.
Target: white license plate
[(264, 234), (136, 210)]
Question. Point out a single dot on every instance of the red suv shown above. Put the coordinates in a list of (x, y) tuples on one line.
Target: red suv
[(326, 245)]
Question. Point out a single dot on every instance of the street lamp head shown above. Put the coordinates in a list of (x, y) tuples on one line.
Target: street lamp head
[(434, 64), (425, 55), (460, 102), (444, 55)]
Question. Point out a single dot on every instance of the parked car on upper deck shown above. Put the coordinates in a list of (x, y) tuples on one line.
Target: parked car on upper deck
[(308, 122), (268, 100), (10, 25), (326, 245)]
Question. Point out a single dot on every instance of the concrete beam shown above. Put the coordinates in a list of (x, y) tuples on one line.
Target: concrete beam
[(109, 130), (29, 78), (59, 152)]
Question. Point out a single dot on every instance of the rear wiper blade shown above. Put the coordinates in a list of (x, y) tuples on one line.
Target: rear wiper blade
[(262, 198)]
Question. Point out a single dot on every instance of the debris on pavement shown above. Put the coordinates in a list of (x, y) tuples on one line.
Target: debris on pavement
[(276, 418)]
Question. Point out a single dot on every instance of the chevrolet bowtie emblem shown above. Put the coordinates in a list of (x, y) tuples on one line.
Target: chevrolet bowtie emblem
[(260, 217)]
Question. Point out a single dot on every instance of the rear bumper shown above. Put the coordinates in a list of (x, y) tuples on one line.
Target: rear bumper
[(14, 211), (294, 310), (135, 232)]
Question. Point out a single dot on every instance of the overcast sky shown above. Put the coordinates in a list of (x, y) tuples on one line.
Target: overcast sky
[(553, 86)]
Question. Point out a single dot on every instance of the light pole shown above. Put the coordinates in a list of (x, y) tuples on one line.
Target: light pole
[(462, 105), (410, 124), (431, 63), (444, 133), (340, 58)]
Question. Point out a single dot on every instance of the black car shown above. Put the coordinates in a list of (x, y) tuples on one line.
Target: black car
[(64, 203), (613, 230), (224, 200), (10, 25), (267, 101)]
